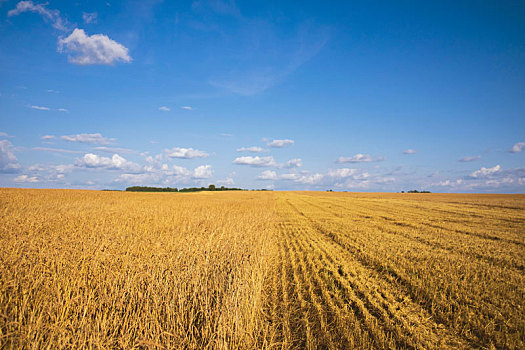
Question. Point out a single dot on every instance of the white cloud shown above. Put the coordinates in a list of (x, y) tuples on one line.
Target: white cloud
[(518, 147), (185, 153), (203, 172), (292, 163), (358, 158), (40, 108), (469, 159), (4, 134), (410, 151), (88, 138), (268, 175), (188, 108), (89, 17), (255, 161), (253, 149), (484, 172), (280, 143), (342, 173), (26, 178), (94, 49), (116, 162), (314, 179), (8, 161), (52, 16), (48, 137), (228, 182), (164, 109), (63, 110)]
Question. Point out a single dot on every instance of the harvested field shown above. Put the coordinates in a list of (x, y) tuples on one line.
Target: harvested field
[(279, 270)]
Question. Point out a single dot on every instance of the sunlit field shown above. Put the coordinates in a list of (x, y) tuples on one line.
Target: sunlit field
[(270, 270)]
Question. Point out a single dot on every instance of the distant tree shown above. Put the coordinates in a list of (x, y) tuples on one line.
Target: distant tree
[(211, 187)]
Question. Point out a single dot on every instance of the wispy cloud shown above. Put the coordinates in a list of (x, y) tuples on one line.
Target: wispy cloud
[(4, 134), (89, 17), (164, 109), (40, 108), (88, 138), (56, 150), (114, 150), (188, 108), (185, 153), (410, 151), (280, 143), (47, 137), (83, 49), (63, 110), (469, 159), (49, 15)]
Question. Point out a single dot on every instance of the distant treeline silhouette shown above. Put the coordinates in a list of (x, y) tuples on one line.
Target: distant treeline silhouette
[(172, 189), (416, 191)]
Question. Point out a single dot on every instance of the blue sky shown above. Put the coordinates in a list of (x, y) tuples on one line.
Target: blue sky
[(364, 96)]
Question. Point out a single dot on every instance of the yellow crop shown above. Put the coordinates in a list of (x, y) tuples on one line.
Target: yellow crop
[(245, 270)]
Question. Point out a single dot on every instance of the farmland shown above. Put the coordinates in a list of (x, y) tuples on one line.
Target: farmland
[(261, 270)]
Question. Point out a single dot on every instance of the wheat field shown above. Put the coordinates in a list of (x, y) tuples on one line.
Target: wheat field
[(261, 270)]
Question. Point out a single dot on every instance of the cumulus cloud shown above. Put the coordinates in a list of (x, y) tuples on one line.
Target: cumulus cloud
[(40, 108), (410, 151), (268, 175), (253, 149), (185, 153), (203, 172), (518, 147), (26, 178), (49, 15), (89, 17), (96, 138), (469, 159), (8, 161), (484, 172), (116, 162), (255, 161), (358, 158), (293, 163), (164, 109), (280, 143), (95, 49)]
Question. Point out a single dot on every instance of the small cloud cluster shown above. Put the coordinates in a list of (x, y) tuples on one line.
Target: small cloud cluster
[(255, 161), (88, 138), (185, 153), (359, 158), (253, 149), (43, 108), (410, 151), (280, 143), (116, 162)]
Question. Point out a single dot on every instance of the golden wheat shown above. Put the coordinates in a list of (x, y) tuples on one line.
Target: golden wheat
[(244, 270)]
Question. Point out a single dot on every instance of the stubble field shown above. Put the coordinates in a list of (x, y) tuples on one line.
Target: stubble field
[(244, 270)]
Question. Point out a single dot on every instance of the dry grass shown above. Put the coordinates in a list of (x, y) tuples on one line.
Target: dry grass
[(243, 270)]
